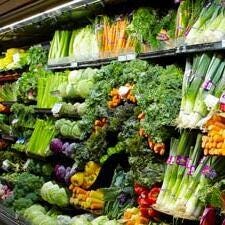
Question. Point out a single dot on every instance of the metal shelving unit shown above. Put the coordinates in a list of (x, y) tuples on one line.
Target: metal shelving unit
[(10, 218), (173, 52)]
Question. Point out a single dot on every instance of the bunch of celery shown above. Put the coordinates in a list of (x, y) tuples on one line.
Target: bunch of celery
[(186, 174), (205, 78), (43, 133), (209, 27), (84, 44), (187, 14), (60, 45), (8, 92), (45, 86)]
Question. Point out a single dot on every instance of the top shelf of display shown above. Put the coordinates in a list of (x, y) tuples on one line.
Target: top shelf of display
[(145, 32), (70, 63)]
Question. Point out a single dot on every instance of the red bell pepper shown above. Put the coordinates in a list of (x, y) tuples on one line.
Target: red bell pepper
[(152, 213), (139, 189), (153, 194), (144, 211), (143, 202)]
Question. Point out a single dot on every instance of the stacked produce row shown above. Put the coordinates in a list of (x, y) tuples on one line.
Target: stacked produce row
[(145, 30), (100, 146)]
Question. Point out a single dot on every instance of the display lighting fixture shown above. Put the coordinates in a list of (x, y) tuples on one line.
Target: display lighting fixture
[(53, 12)]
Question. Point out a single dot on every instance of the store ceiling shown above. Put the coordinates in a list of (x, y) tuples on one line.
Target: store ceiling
[(13, 10), (42, 28)]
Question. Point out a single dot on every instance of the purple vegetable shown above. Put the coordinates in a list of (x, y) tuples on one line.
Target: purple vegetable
[(56, 145), (69, 150), (223, 222), (69, 173), (67, 177), (208, 217), (60, 172), (65, 146), (123, 198)]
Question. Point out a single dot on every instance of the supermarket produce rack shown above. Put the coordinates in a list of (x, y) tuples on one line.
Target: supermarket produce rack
[(10, 218)]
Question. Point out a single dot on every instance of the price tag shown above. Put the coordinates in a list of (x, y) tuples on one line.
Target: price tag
[(56, 108), (183, 48), (16, 58), (223, 43), (74, 64), (222, 98), (14, 121), (20, 140), (131, 56), (177, 49), (122, 58), (211, 101)]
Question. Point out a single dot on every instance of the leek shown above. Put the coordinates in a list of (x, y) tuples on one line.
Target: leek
[(177, 149), (209, 27), (206, 78), (182, 197)]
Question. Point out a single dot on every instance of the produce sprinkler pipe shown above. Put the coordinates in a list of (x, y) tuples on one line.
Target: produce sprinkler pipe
[(75, 4)]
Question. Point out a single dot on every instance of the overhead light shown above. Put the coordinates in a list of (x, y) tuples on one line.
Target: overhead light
[(48, 13)]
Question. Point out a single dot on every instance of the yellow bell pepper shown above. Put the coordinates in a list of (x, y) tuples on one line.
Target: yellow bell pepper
[(77, 179)]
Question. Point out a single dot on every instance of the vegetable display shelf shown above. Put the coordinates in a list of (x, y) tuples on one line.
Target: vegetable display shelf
[(9, 218), (173, 52), (8, 137), (9, 78), (94, 212), (7, 103), (45, 111)]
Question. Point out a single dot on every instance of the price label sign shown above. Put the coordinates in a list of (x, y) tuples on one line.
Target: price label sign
[(56, 108), (74, 64), (223, 43), (127, 57), (122, 58), (16, 58), (131, 56)]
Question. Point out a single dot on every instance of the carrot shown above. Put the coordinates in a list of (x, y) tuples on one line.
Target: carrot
[(207, 145), (222, 152), (219, 145), (219, 124), (214, 144), (114, 92), (151, 144), (157, 147), (206, 151), (217, 138), (211, 151), (204, 138), (141, 132), (214, 127), (216, 151), (213, 133), (162, 151), (203, 144), (223, 133)]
